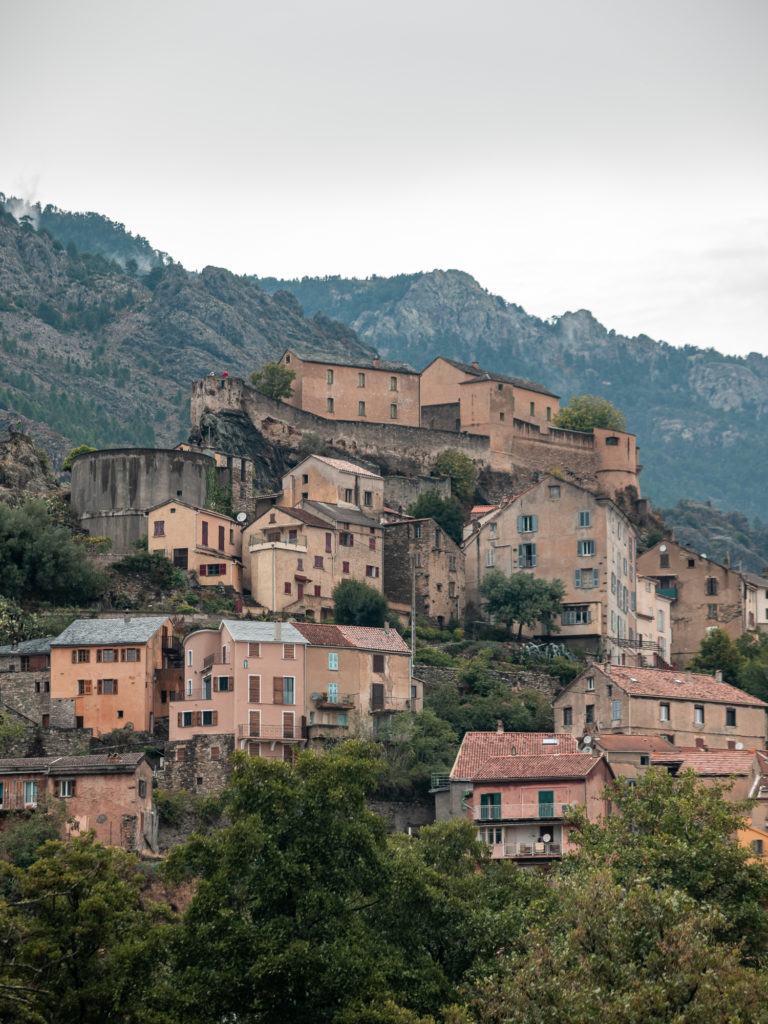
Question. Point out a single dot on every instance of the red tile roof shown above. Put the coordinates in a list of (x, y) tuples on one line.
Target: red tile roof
[(477, 747), (547, 766), (714, 762), (367, 638), (657, 682)]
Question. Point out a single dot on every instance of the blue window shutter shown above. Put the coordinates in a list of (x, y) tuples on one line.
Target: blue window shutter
[(520, 558), (533, 554), (596, 580), (577, 578), (519, 524), (535, 523)]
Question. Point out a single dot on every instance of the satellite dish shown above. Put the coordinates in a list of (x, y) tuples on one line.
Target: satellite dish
[(546, 838), (739, 746), (587, 740), (663, 547), (241, 517)]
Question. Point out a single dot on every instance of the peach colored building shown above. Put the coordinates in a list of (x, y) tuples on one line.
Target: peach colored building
[(245, 680), (355, 675), (109, 793), (557, 530), (335, 482), (296, 556), (631, 756), (755, 602), (685, 708), (703, 594), (198, 540), (113, 673), (367, 389), (654, 624)]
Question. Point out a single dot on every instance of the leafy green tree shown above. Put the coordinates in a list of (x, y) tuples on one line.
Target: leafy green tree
[(80, 450), (585, 412), (357, 604), (414, 747), (679, 832), (718, 651), (11, 731), (522, 599), (753, 673), (460, 468), (39, 559), (447, 512), (274, 380)]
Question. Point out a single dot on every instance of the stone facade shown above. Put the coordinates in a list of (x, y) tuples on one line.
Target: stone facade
[(420, 546), (402, 491), (200, 764)]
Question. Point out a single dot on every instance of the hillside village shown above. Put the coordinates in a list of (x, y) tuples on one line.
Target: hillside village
[(122, 705)]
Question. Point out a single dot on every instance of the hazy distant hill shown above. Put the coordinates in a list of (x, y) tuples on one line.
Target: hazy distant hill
[(90, 353), (700, 417)]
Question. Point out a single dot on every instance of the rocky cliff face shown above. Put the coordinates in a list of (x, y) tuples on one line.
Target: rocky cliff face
[(700, 416)]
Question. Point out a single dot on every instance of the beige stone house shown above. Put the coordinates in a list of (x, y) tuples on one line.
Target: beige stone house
[(755, 602), (25, 679), (367, 390), (703, 594), (198, 540), (684, 708), (558, 530), (334, 481)]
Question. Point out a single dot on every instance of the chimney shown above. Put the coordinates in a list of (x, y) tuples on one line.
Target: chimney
[(700, 745), (386, 626), (727, 561), (687, 676), (607, 668), (475, 365), (718, 675), (278, 630), (126, 619), (499, 726), (375, 360)]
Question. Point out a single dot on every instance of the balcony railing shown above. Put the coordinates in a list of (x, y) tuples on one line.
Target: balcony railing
[(395, 704), (667, 592), (533, 850), (506, 812), (342, 701), (268, 732), (440, 780)]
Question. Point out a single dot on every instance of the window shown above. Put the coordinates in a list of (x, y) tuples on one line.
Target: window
[(698, 714), (645, 760), (526, 556), (254, 689), (346, 540), (300, 565), (491, 836), (664, 711), (554, 492), (215, 753), (333, 662), (317, 590), (438, 537), (371, 543), (660, 620), (417, 560), (318, 561), (711, 585), (549, 413), (223, 684), (254, 723), (286, 587), (585, 518), (107, 654), (329, 405), (493, 529), (393, 411), (585, 547), (65, 788), (159, 528), (590, 682), (368, 498), (221, 539), (586, 579), (254, 650), (691, 563), (393, 383), (567, 716), (288, 689), (490, 806), (615, 710), (81, 656), (130, 654), (30, 794), (372, 571), (209, 718), (2, 793), (361, 408), (288, 725), (576, 615), (757, 846), (533, 409), (289, 652), (730, 716), (142, 788), (106, 687), (527, 524), (378, 663), (83, 686), (328, 543), (417, 531), (490, 556), (664, 560), (186, 719), (589, 713), (345, 566), (205, 533), (293, 536), (712, 611), (612, 442), (361, 380), (329, 376)]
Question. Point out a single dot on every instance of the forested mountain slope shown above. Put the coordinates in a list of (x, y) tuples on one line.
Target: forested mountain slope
[(700, 416)]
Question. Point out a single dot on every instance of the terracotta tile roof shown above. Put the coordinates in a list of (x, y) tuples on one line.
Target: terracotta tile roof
[(682, 685), (82, 763), (547, 766), (366, 638), (481, 510), (347, 467), (477, 747), (303, 516), (714, 762), (643, 744)]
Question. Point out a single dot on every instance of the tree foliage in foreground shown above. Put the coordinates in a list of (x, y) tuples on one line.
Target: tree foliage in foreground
[(523, 599), (462, 471), (585, 412), (446, 512), (274, 380), (357, 604)]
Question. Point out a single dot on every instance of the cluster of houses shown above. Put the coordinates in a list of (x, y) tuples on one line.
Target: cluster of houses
[(272, 687)]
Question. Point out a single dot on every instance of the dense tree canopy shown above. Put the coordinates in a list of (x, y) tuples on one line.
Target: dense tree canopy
[(447, 512), (718, 652), (274, 380), (357, 604), (585, 412), (522, 598), (460, 468)]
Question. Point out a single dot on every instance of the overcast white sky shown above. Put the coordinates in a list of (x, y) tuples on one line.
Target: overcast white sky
[(600, 154)]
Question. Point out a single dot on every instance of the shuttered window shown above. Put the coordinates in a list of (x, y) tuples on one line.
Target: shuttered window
[(254, 689)]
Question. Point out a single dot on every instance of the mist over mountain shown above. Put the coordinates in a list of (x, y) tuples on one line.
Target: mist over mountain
[(700, 416)]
